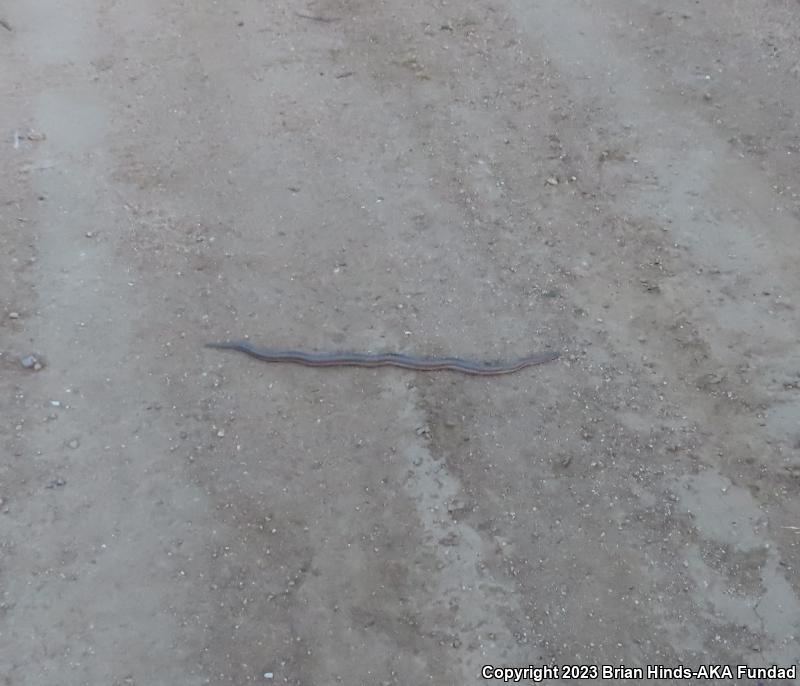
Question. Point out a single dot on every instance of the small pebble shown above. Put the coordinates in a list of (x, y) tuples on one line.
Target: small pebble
[(13, 315), (29, 362), (221, 433), (55, 403), (74, 443), (552, 181), (268, 675)]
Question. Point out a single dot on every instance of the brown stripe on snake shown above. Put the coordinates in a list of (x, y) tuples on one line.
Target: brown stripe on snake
[(419, 364)]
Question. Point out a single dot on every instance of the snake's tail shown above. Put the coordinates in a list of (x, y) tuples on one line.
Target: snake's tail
[(224, 345)]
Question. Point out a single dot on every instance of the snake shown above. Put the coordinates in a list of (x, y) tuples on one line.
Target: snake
[(419, 364)]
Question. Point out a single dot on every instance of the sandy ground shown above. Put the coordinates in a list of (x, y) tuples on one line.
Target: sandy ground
[(617, 181)]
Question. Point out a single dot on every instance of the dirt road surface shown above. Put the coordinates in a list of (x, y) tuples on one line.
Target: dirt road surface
[(617, 181)]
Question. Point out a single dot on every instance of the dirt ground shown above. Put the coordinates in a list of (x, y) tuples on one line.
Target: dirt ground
[(617, 181)]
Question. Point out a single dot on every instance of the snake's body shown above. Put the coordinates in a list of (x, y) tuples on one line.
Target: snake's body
[(420, 364)]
